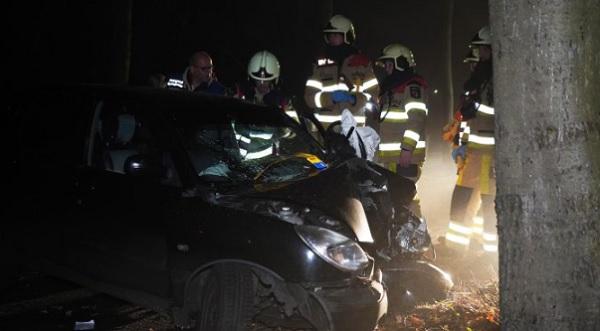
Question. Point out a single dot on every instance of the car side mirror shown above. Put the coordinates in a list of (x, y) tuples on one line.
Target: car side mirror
[(143, 165)]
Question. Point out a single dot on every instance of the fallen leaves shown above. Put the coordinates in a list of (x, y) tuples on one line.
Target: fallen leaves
[(472, 307)]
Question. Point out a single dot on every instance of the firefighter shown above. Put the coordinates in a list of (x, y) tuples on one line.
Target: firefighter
[(262, 89), (477, 179), (263, 77), (456, 131), (402, 115), (263, 83), (199, 76), (342, 78)]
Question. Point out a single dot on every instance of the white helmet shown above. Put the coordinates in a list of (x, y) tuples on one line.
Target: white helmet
[(402, 56), (341, 24), (483, 37), (264, 66)]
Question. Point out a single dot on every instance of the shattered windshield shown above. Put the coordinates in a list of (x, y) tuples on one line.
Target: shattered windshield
[(240, 147)]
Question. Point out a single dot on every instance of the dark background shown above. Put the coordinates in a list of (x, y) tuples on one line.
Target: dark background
[(123, 42)]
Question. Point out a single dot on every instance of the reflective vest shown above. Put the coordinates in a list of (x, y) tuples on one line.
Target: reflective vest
[(254, 143), (355, 75), (403, 114), (481, 127)]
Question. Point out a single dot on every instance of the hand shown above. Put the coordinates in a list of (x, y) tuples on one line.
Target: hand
[(460, 165), (450, 130), (459, 151), (405, 158), (370, 107), (342, 96)]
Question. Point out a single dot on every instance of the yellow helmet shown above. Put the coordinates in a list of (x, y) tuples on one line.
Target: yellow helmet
[(264, 66), (402, 56), (341, 24)]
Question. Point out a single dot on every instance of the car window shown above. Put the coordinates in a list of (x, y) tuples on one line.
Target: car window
[(123, 132), (240, 146)]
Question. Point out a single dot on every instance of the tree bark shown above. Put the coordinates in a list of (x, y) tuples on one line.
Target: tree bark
[(547, 79), (121, 41)]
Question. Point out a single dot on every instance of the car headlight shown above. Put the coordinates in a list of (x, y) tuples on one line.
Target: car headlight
[(333, 247), (413, 236)]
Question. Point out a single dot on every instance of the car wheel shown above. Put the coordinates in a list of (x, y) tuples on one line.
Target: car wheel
[(227, 302)]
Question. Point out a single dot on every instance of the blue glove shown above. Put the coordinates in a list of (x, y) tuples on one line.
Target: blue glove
[(459, 151), (342, 96)]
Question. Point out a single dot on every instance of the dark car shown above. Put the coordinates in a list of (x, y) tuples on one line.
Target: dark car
[(402, 245), (222, 212)]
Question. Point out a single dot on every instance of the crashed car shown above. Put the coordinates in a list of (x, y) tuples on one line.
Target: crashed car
[(223, 213), (402, 246)]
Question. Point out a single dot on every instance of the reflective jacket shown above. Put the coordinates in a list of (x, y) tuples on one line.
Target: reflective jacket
[(479, 109), (403, 113), (340, 68), (255, 142)]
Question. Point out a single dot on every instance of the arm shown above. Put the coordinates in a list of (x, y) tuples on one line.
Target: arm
[(416, 108)]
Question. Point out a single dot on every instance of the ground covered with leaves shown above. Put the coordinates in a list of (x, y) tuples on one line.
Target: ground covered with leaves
[(471, 306)]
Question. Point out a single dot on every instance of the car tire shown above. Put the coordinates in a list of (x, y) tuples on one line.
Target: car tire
[(227, 299)]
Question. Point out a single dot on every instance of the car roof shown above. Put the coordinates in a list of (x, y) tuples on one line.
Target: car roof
[(179, 99)]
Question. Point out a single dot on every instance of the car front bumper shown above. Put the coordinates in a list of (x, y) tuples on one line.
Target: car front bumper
[(354, 307)]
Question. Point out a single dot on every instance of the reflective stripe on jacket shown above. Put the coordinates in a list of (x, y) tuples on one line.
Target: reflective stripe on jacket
[(403, 114)]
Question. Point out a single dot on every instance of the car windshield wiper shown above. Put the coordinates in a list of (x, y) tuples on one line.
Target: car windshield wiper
[(296, 169)]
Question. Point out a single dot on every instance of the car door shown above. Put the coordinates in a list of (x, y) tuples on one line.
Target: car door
[(125, 191)]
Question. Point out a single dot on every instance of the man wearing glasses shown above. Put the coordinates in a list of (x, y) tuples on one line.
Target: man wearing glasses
[(198, 76)]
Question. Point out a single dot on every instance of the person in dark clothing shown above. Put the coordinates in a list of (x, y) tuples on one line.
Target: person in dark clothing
[(199, 76)]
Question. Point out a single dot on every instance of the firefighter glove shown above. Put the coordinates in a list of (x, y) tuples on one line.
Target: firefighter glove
[(459, 151), (342, 96)]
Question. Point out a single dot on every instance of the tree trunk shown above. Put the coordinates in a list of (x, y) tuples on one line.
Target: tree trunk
[(547, 83), (121, 41)]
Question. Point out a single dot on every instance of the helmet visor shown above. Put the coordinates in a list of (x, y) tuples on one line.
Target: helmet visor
[(262, 74)]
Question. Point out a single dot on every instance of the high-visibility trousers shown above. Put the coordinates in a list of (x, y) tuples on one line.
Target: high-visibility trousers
[(479, 171), (475, 187)]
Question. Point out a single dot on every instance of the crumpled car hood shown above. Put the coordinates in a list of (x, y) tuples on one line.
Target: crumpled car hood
[(333, 191)]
